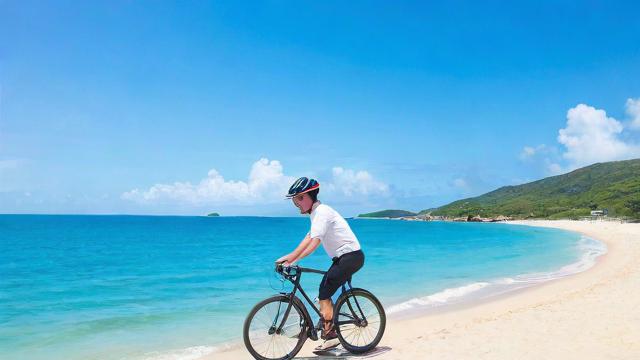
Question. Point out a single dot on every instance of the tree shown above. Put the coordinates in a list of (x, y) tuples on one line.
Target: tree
[(634, 206)]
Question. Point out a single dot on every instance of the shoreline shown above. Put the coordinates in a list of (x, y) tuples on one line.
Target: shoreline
[(522, 323), (483, 291), (588, 315)]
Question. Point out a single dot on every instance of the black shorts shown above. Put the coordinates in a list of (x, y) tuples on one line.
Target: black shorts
[(341, 270)]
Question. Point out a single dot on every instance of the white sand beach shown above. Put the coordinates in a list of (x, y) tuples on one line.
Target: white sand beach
[(591, 315)]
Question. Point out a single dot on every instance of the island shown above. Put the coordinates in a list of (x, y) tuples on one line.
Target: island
[(391, 214)]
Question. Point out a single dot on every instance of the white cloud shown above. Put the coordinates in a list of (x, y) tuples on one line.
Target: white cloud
[(591, 136), (633, 110), (529, 152), (349, 182), (266, 183), (554, 169), (460, 183)]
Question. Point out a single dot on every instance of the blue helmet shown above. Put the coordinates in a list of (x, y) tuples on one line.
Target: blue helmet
[(301, 186)]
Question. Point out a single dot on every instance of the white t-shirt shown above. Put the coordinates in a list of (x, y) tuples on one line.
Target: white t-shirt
[(332, 230)]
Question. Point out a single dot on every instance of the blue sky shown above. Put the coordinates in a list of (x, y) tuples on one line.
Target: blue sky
[(126, 107)]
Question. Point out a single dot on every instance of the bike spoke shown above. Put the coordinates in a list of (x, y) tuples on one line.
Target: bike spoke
[(352, 334), (266, 352), (345, 332), (362, 337), (278, 344), (370, 334)]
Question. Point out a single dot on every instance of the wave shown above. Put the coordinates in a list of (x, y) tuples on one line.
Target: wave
[(590, 250), (190, 353), (439, 298)]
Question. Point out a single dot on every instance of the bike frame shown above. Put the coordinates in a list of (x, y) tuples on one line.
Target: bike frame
[(295, 279)]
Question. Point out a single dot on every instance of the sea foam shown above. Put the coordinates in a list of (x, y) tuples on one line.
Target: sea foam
[(190, 353), (590, 249)]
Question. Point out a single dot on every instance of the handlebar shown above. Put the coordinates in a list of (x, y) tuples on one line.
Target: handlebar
[(280, 268), (295, 269)]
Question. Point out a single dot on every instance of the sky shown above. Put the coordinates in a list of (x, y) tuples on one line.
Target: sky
[(184, 108)]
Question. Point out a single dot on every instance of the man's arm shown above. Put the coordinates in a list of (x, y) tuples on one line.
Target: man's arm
[(312, 245)]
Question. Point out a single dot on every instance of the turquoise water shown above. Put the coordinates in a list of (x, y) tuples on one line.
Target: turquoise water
[(136, 287)]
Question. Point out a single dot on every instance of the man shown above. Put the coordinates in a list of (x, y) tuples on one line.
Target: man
[(333, 232)]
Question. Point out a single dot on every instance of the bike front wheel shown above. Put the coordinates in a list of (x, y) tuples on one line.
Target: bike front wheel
[(360, 320), (261, 335)]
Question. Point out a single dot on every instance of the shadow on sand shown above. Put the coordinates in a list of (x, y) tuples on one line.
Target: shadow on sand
[(340, 353)]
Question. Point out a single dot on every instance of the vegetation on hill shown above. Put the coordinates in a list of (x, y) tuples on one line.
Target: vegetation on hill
[(388, 214), (614, 186), (426, 211)]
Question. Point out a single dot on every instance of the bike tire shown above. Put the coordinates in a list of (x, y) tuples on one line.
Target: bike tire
[(350, 335), (296, 313)]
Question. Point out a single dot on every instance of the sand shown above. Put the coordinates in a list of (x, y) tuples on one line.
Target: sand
[(591, 315)]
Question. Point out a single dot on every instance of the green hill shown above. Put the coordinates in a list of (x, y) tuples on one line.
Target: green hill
[(613, 185), (426, 211), (388, 214)]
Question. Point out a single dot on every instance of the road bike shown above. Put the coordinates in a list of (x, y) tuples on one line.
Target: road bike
[(277, 327)]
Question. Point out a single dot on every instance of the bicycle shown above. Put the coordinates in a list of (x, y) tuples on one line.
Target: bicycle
[(277, 327)]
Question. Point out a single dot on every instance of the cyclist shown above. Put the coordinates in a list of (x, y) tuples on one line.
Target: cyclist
[(333, 232)]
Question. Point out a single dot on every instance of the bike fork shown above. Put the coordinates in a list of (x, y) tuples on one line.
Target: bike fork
[(364, 319)]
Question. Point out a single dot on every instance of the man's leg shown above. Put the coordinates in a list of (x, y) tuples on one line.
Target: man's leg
[(326, 310), (330, 337)]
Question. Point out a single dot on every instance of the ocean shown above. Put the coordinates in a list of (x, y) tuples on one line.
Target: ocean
[(171, 287)]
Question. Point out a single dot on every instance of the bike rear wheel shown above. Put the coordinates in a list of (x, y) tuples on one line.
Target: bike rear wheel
[(360, 320), (260, 333)]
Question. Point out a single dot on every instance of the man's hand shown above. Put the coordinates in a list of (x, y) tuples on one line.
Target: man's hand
[(286, 260)]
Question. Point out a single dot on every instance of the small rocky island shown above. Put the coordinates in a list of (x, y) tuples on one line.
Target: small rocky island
[(213, 214), (425, 215), (389, 214)]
